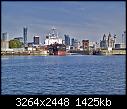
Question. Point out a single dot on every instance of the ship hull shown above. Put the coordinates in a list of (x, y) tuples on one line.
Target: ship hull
[(57, 49), (60, 53)]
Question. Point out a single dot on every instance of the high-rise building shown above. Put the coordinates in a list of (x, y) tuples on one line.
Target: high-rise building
[(76, 44), (4, 41), (72, 41), (4, 37), (67, 40), (25, 36), (36, 40)]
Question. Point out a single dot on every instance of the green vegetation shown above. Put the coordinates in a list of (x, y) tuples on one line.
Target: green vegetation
[(15, 43)]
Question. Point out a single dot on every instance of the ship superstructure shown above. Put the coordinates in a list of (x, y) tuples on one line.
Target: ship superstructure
[(54, 44), (53, 38)]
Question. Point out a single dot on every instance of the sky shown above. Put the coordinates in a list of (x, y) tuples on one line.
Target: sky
[(80, 20)]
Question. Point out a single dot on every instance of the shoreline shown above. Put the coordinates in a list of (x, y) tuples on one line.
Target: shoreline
[(59, 55)]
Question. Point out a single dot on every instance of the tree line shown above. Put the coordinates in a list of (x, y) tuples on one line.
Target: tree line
[(14, 43)]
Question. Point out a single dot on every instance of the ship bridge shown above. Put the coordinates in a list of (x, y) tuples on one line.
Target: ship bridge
[(53, 37)]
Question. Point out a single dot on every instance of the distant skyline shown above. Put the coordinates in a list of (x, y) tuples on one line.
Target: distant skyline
[(78, 19)]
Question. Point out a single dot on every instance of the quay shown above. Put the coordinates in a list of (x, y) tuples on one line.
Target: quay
[(121, 51), (71, 52), (4, 53)]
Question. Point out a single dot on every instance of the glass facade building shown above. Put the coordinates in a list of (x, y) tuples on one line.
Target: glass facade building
[(25, 36), (67, 39)]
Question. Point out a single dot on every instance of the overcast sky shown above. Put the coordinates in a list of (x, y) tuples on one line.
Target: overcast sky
[(81, 20)]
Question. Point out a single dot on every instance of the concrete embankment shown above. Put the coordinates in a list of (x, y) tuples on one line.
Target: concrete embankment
[(101, 52), (23, 53), (113, 52)]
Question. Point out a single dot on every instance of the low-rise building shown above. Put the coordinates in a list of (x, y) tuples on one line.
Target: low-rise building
[(120, 45)]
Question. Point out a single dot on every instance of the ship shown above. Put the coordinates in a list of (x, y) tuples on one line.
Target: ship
[(57, 49), (55, 43)]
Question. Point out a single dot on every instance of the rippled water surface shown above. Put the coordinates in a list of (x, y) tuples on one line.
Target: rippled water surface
[(75, 75)]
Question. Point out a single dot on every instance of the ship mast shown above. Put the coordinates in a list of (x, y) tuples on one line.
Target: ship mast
[(53, 33)]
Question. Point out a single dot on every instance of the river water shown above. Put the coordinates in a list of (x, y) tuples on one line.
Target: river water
[(59, 75)]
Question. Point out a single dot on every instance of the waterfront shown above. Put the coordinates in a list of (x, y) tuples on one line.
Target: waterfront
[(75, 75)]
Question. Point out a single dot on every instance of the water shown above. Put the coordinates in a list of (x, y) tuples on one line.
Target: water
[(74, 75)]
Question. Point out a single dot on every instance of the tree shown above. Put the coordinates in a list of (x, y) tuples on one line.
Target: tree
[(15, 43)]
